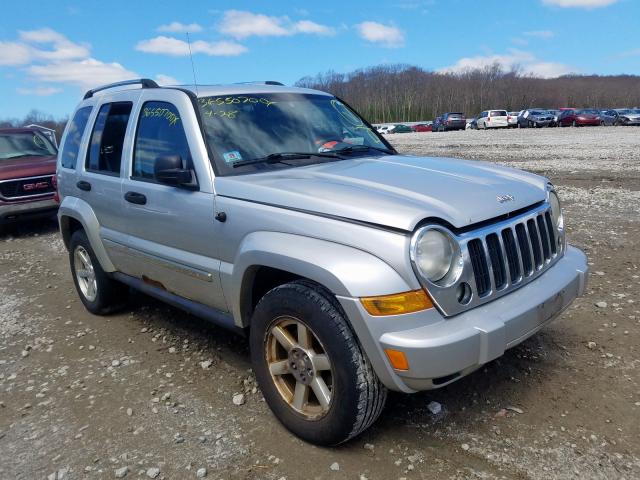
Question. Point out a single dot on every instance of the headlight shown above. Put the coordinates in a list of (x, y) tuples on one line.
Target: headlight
[(436, 255), (556, 210)]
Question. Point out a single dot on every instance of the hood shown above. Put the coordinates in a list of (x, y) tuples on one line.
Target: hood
[(394, 191), (27, 167)]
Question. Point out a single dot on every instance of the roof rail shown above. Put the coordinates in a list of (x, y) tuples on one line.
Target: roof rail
[(262, 82), (145, 82)]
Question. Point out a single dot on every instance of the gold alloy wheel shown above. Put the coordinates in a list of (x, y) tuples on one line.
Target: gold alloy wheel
[(300, 367)]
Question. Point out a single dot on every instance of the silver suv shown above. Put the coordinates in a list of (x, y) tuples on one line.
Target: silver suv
[(281, 213)]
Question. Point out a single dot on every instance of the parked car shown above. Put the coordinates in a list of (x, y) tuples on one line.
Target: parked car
[(556, 114), (512, 118), (27, 174), (386, 129), (402, 128), (535, 117), (350, 275), (621, 117), (423, 127), (579, 118), (472, 124), (449, 121), (493, 119)]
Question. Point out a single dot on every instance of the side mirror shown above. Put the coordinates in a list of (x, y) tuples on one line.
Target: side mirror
[(169, 171)]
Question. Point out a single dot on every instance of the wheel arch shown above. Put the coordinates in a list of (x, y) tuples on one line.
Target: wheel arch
[(268, 259)]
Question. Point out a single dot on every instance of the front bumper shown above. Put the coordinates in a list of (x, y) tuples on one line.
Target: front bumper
[(14, 211), (441, 350)]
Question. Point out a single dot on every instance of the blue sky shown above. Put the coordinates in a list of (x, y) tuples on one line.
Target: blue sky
[(52, 52)]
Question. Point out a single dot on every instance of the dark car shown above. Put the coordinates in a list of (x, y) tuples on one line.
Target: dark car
[(580, 118), (621, 116), (27, 174), (449, 121), (402, 128), (535, 117), (422, 127)]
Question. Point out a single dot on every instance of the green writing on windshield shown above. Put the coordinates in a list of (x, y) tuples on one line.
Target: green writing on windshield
[(160, 112), (235, 100), (220, 113)]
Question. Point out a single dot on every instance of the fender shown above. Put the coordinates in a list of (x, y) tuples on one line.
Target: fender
[(344, 270), (78, 209)]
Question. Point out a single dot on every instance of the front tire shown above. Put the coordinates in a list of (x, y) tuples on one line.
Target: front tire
[(310, 367), (99, 293)]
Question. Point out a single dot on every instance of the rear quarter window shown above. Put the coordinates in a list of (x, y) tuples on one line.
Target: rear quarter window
[(71, 147)]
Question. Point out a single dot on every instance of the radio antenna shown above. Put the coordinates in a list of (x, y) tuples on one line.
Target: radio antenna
[(193, 67)]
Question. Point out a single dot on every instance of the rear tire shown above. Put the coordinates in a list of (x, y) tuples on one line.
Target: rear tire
[(291, 376), (99, 293)]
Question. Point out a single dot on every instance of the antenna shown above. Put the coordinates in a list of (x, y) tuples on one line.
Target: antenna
[(193, 67)]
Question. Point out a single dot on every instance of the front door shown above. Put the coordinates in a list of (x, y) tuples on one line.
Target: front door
[(171, 232)]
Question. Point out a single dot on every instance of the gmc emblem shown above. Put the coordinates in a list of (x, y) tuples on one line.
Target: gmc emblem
[(28, 187)]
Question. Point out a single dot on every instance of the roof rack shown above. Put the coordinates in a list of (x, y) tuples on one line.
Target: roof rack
[(262, 82), (145, 82)]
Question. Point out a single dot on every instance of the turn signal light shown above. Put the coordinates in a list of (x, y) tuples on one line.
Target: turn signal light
[(397, 304), (397, 359)]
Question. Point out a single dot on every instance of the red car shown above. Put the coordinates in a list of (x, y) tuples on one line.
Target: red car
[(579, 118), (422, 127), (27, 174)]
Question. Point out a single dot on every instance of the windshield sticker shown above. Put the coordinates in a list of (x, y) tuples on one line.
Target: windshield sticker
[(231, 157), (220, 101), (160, 112)]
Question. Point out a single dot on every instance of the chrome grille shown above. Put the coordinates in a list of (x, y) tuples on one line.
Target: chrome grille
[(500, 258), (20, 188)]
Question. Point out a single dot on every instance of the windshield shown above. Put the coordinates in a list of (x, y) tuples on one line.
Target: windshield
[(25, 144), (241, 128), (588, 111), (538, 112), (498, 113)]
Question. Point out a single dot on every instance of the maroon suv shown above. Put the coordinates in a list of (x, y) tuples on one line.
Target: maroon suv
[(27, 174)]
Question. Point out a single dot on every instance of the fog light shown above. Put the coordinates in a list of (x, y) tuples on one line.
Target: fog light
[(397, 304)]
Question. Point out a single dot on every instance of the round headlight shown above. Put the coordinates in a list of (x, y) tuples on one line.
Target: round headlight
[(556, 210), (434, 253)]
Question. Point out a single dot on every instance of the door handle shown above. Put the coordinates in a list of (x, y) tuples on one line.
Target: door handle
[(135, 197), (82, 185)]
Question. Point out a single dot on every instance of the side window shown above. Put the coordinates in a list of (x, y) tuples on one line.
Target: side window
[(107, 138), (71, 147), (160, 134)]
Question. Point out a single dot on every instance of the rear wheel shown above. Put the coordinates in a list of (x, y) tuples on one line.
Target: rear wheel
[(99, 293), (310, 367)]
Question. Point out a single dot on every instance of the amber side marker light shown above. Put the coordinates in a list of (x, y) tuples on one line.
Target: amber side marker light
[(397, 304), (397, 359)]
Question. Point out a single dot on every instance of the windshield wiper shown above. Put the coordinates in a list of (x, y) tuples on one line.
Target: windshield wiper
[(279, 157), (363, 148)]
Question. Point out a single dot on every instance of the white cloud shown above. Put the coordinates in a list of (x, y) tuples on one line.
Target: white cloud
[(163, 79), (523, 60), (241, 24), (39, 91), (43, 44), (177, 27), (85, 73), (544, 34), (385, 35), (14, 53), (179, 48), (580, 3)]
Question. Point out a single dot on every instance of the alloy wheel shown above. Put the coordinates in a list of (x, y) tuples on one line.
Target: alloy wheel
[(85, 273), (300, 367)]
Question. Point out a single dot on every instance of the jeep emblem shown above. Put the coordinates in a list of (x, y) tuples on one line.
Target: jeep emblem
[(504, 198)]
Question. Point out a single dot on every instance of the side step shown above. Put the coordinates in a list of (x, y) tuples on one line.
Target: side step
[(217, 317)]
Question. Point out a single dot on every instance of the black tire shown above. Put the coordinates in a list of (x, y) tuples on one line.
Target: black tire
[(110, 294), (357, 395)]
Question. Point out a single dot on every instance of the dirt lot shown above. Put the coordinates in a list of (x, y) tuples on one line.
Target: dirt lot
[(83, 396)]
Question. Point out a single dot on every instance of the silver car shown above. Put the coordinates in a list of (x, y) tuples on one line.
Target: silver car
[(280, 213)]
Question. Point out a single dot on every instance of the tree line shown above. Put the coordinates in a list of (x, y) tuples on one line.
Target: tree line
[(392, 93)]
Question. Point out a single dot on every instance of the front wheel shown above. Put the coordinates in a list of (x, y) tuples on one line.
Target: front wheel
[(310, 367)]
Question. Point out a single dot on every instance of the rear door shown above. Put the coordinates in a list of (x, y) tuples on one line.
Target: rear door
[(172, 235)]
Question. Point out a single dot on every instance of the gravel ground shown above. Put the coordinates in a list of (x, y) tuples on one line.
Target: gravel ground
[(149, 391)]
